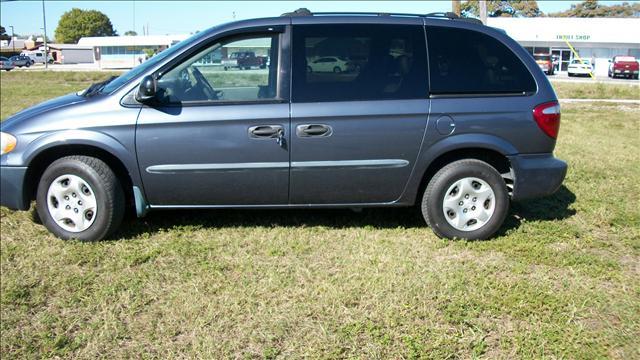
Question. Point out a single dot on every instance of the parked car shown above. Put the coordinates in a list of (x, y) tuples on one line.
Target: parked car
[(579, 67), (21, 60), (545, 62), (327, 64), (625, 66), (462, 124), (244, 60), (6, 64), (37, 57)]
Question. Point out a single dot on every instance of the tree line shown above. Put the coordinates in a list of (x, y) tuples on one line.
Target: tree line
[(527, 8)]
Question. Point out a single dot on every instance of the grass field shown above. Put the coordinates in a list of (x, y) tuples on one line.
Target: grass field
[(562, 280)]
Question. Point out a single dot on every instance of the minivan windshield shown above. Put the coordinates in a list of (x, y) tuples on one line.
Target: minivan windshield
[(142, 68)]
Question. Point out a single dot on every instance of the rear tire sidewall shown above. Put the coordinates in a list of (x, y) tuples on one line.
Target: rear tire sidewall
[(107, 202), (440, 183)]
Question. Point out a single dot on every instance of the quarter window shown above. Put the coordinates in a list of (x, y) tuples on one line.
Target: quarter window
[(238, 69), (358, 62), (469, 62)]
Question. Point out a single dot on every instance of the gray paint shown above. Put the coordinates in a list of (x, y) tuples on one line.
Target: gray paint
[(202, 156)]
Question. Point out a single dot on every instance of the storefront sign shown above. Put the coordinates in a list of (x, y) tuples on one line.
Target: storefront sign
[(576, 37)]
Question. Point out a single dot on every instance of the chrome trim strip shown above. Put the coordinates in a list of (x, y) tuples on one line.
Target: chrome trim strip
[(377, 163), (161, 169)]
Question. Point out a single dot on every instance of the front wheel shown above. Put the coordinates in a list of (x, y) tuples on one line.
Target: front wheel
[(80, 197), (466, 199)]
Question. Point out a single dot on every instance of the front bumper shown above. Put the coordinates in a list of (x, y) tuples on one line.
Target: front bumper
[(536, 175), (12, 188)]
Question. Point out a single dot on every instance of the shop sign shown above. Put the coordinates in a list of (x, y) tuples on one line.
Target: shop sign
[(576, 37)]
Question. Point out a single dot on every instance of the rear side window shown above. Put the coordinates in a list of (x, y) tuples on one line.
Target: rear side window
[(469, 62), (358, 62)]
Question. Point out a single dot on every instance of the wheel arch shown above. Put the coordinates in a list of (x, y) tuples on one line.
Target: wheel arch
[(487, 148), (37, 163)]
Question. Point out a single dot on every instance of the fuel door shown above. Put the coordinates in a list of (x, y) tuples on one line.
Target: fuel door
[(445, 125)]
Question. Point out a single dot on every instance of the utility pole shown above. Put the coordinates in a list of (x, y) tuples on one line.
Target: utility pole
[(455, 6), (13, 38), (46, 49), (483, 11)]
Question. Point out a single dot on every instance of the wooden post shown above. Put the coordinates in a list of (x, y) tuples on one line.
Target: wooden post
[(455, 6)]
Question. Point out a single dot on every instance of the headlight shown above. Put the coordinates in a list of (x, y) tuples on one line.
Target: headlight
[(7, 143)]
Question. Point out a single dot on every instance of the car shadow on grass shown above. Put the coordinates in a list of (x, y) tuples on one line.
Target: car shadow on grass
[(554, 207)]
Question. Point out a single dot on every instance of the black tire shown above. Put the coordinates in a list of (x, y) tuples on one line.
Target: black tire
[(109, 196), (435, 192), (309, 69), (337, 70)]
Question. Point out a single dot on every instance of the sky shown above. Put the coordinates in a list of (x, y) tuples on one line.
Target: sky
[(183, 17)]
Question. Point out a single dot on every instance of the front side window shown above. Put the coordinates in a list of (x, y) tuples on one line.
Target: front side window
[(358, 62), (237, 69), (469, 62)]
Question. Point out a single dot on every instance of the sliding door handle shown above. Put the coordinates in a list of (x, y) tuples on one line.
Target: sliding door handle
[(314, 130)]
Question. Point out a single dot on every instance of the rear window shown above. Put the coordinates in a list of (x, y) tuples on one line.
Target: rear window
[(469, 62), (542, 57), (358, 62), (625, 58)]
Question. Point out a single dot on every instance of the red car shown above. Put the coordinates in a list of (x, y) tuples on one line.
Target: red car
[(545, 62), (625, 66)]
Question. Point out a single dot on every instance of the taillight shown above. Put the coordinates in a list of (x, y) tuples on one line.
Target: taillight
[(547, 116)]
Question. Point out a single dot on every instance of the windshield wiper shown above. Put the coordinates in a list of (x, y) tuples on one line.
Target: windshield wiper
[(95, 88)]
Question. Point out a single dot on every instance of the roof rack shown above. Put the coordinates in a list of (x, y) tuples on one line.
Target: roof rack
[(441, 15)]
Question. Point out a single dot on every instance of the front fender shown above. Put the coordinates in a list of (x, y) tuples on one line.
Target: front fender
[(95, 139)]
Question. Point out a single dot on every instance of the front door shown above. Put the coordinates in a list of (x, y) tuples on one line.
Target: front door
[(355, 134), (216, 137)]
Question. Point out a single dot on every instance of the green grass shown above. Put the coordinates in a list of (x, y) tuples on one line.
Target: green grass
[(597, 90), (562, 280)]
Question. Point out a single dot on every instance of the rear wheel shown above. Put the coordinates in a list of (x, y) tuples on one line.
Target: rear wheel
[(337, 69), (466, 199), (79, 197)]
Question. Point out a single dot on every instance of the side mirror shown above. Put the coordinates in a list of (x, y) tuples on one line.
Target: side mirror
[(147, 89)]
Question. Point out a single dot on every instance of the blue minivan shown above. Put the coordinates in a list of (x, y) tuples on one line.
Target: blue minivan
[(432, 110)]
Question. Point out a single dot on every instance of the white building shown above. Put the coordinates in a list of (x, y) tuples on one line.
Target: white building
[(595, 39), (127, 51)]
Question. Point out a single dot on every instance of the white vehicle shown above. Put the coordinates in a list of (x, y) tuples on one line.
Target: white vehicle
[(37, 56), (577, 67), (327, 64)]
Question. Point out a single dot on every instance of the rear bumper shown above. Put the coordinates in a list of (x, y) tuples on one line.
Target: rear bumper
[(536, 175), (12, 188)]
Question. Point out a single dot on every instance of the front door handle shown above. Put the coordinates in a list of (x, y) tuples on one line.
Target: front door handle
[(313, 130), (266, 131)]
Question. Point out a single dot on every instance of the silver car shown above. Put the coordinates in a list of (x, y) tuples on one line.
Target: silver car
[(6, 64)]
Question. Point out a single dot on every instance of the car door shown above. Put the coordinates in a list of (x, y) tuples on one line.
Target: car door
[(216, 138), (355, 135)]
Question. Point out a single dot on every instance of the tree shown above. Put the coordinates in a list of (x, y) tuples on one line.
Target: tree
[(3, 34), (591, 8), (496, 8), (130, 33), (78, 23)]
